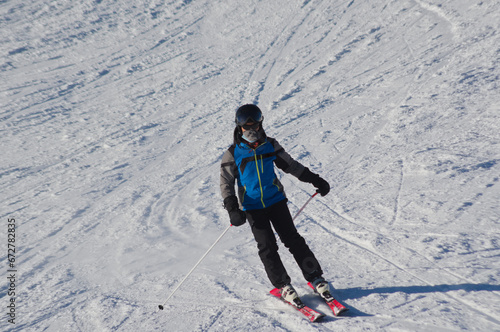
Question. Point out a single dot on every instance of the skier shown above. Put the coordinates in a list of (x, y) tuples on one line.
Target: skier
[(249, 162)]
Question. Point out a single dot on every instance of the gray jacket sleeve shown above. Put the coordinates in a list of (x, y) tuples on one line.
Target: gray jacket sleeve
[(285, 162), (228, 173)]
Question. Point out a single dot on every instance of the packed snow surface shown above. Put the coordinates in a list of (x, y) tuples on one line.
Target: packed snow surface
[(115, 115)]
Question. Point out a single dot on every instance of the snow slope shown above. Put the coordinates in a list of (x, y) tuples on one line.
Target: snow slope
[(115, 114)]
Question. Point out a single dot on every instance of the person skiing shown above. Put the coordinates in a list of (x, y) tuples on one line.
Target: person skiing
[(249, 162)]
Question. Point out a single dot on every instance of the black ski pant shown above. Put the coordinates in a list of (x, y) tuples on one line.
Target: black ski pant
[(278, 215)]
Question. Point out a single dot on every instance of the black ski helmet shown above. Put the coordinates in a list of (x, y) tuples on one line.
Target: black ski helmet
[(248, 113)]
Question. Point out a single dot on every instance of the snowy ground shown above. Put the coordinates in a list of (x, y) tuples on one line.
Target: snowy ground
[(114, 117)]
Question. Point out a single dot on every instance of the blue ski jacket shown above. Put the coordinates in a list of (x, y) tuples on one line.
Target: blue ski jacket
[(252, 169)]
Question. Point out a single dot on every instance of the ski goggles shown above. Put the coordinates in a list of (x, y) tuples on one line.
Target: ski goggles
[(249, 115)]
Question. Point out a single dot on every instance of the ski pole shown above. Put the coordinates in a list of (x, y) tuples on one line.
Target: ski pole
[(303, 207), (194, 267)]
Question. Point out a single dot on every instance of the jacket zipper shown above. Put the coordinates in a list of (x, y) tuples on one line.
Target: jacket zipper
[(258, 175)]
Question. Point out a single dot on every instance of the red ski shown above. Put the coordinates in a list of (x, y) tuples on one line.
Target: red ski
[(311, 314), (336, 306)]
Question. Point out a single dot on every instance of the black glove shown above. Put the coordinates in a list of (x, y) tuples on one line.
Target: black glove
[(236, 216), (321, 185), (323, 188)]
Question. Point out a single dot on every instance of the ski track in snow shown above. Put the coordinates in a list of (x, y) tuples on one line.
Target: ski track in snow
[(115, 117), (442, 274)]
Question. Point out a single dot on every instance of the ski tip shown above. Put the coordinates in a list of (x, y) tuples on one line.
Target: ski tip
[(342, 311), (276, 292), (318, 318)]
